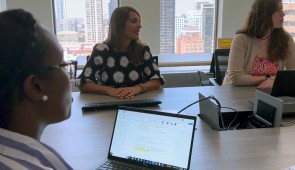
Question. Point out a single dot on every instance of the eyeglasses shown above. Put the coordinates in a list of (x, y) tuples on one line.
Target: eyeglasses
[(69, 66)]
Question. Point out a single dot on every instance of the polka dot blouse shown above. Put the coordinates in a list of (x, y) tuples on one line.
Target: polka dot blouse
[(112, 68)]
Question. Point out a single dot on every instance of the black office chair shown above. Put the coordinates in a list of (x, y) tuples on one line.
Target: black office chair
[(156, 60), (217, 71), (204, 77), (221, 64)]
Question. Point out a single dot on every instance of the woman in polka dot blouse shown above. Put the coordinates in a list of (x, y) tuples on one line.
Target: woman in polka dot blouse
[(122, 66)]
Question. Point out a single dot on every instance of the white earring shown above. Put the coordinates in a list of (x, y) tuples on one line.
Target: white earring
[(44, 98)]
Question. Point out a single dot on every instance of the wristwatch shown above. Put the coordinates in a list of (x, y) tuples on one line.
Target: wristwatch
[(267, 76)]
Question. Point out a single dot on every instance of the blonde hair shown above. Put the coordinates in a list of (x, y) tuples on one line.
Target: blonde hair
[(116, 30)]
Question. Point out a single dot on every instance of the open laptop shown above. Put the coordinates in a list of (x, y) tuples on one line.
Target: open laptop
[(284, 84), (284, 89), (146, 139)]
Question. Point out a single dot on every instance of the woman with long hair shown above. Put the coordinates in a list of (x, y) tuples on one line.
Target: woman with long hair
[(122, 66), (261, 47)]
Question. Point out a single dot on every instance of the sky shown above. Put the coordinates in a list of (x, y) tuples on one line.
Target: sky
[(75, 8)]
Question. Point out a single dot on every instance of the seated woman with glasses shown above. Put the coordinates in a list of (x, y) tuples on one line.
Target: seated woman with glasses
[(261, 47), (35, 91), (122, 66)]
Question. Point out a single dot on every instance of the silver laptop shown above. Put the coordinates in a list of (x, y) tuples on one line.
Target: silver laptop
[(146, 139)]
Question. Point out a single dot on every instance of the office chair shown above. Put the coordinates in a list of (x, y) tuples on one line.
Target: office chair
[(156, 60), (221, 64), (204, 77), (217, 71)]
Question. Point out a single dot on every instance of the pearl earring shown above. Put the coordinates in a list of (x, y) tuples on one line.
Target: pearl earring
[(44, 98)]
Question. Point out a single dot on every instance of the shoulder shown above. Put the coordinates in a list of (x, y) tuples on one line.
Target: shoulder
[(290, 38), (243, 37), (145, 47), (101, 47), (24, 146), (244, 40)]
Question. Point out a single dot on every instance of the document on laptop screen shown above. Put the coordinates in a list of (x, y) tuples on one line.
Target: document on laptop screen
[(155, 138)]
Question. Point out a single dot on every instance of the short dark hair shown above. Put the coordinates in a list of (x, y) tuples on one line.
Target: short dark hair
[(21, 53)]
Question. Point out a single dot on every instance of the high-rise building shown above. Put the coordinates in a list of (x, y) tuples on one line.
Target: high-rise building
[(189, 42), (113, 4), (208, 26), (167, 26), (179, 24), (289, 19), (60, 9), (94, 29), (2, 5), (60, 14)]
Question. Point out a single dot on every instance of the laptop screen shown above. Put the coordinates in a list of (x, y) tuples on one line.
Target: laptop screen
[(284, 84), (152, 139)]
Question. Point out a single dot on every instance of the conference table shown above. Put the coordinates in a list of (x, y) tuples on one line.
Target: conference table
[(83, 140)]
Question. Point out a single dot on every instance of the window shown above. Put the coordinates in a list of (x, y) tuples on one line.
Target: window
[(184, 27), (80, 24), (2, 5), (289, 19), (194, 29)]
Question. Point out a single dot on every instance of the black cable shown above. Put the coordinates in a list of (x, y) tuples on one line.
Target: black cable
[(236, 115), (209, 97)]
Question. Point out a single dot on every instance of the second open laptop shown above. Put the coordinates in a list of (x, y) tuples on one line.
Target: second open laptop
[(146, 139)]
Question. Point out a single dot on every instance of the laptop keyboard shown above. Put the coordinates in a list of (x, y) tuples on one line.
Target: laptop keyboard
[(116, 165)]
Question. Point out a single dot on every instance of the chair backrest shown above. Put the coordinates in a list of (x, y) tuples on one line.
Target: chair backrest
[(156, 60), (221, 64)]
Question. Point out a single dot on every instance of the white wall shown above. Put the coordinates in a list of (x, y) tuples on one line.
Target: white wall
[(41, 9), (149, 11), (231, 16)]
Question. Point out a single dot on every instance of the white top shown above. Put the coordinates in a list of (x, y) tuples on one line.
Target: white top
[(22, 152)]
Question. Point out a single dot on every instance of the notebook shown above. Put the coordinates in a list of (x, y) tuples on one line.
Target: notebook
[(151, 139)]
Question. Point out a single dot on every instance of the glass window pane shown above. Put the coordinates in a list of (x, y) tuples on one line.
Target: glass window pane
[(2, 5), (194, 26), (289, 19), (184, 27), (80, 24)]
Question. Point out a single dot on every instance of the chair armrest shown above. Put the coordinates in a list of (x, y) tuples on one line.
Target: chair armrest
[(213, 82)]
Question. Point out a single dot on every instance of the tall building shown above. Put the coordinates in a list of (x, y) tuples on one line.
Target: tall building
[(60, 9), (179, 24), (94, 27), (289, 19), (167, 26), (189, 42), (113, 4), (208, 26), (2, 5), (60, 14)]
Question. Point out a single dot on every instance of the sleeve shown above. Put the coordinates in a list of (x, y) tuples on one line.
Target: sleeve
[(290, 61), (151, 69), (238, 61), (93, 66)]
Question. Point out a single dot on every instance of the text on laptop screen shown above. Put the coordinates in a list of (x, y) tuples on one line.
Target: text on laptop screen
[(154, 139)]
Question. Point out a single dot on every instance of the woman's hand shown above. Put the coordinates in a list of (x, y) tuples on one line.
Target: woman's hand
[(125, 92), (267, 84)]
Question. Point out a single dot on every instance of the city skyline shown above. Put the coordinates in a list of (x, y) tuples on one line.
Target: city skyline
[(74, 7)]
